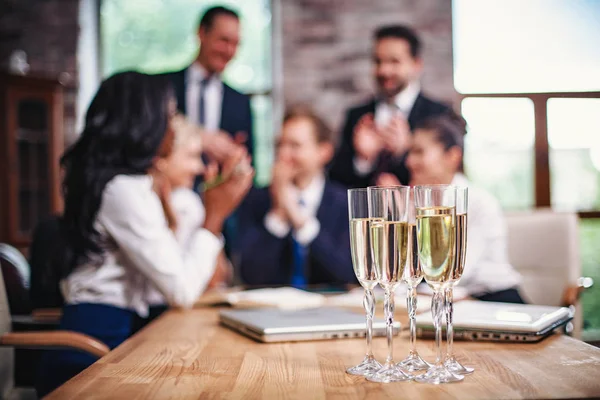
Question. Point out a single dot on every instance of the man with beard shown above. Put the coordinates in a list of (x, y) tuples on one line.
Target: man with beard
[(376, 135)]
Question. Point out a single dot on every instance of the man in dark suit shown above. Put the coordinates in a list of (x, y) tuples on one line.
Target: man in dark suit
[(296, 231), (206, 100), (376, 135)]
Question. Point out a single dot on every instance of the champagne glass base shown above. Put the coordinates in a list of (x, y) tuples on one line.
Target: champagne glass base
[(414, 363), (437, 375), (368, 366), (389, 373), (457, 368)]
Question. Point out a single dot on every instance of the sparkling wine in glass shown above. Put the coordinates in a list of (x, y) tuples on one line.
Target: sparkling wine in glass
[(413, 275), (389, 244), (362, 261), (462, 203), (436, 234)]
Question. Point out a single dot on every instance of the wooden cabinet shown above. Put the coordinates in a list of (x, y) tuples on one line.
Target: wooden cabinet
[(31, 143)]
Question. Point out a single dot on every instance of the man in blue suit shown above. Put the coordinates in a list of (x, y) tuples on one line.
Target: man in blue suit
[(296, 231), (201, 94)]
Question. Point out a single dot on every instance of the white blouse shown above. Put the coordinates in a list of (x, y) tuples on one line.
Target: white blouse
[(143, 254), (190, 214), (487, 268)]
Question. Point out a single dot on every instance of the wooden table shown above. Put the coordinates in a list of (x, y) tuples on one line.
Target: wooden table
[(186, 354)]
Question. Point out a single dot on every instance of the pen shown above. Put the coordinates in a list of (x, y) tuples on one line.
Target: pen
[(204, 186)]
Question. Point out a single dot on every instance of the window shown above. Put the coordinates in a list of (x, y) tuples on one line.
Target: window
[(527, 73), (574, 137), (590, 257), (516, 46), (500, 142), (159, 36)]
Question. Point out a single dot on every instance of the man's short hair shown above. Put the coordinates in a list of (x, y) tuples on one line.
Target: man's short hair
[(208, 18), (401, 32), (322, 132)]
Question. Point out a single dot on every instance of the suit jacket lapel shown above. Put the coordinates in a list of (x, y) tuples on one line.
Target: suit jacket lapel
[(180, 88), (371, 107), (416, 112), (224, 107), (324, 213)]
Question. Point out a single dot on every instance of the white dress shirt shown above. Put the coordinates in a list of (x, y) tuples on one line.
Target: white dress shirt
[(190, 214), (213, 97), (142, 253), (487, 268), (310, 197), (384, 111)]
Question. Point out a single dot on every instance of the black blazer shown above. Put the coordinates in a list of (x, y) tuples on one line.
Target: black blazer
[(268, 260), (342, 168), (236, 115)]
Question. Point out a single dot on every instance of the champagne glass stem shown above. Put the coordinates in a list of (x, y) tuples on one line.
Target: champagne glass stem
[(437, 310), (411, 299), (389, 321), (369, 304), (449, 315)]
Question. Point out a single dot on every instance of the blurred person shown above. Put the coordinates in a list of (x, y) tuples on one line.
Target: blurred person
[(436, 157), (118, 227), (296, 231), (223, 112), (204, 98), (188, 213), (376, 135)]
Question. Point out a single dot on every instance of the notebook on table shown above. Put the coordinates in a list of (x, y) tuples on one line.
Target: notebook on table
[(281, 325), (480, 320)]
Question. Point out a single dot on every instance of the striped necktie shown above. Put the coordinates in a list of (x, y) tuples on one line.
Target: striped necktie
[(201, 103)]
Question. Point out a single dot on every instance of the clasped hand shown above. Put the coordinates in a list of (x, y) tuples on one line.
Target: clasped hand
[(284, 196), (221, 200), (370, 140)]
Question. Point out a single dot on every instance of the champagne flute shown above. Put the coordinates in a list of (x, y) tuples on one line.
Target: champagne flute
[(413, 275), (462, 203), (360, 245), (389, 242), (436, 233)]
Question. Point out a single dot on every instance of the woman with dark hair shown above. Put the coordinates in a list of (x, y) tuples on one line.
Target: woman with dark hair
[(436, 157), (118, 226)]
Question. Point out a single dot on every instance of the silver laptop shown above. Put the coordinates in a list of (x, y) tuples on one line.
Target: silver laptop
[(481, 320), (275, 325)]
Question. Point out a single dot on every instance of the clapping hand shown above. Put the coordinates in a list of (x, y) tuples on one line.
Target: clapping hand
[(220, 145), (282, 188), (395, 135), (367, 143)]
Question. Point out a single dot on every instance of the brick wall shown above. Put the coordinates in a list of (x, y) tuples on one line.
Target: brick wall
[(47, 30), (327, 46)]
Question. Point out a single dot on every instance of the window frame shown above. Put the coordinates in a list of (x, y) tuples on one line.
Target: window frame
[(542, 176)]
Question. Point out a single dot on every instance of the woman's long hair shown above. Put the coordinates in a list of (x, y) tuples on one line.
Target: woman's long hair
[(124, 128)]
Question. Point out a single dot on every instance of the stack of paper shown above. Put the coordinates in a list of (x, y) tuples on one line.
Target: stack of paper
[(284, 298)]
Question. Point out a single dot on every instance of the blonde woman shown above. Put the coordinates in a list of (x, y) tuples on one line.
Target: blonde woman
[(184, 208)]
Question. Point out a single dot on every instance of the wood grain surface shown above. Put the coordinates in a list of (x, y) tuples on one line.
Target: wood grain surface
[(188, 355)]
